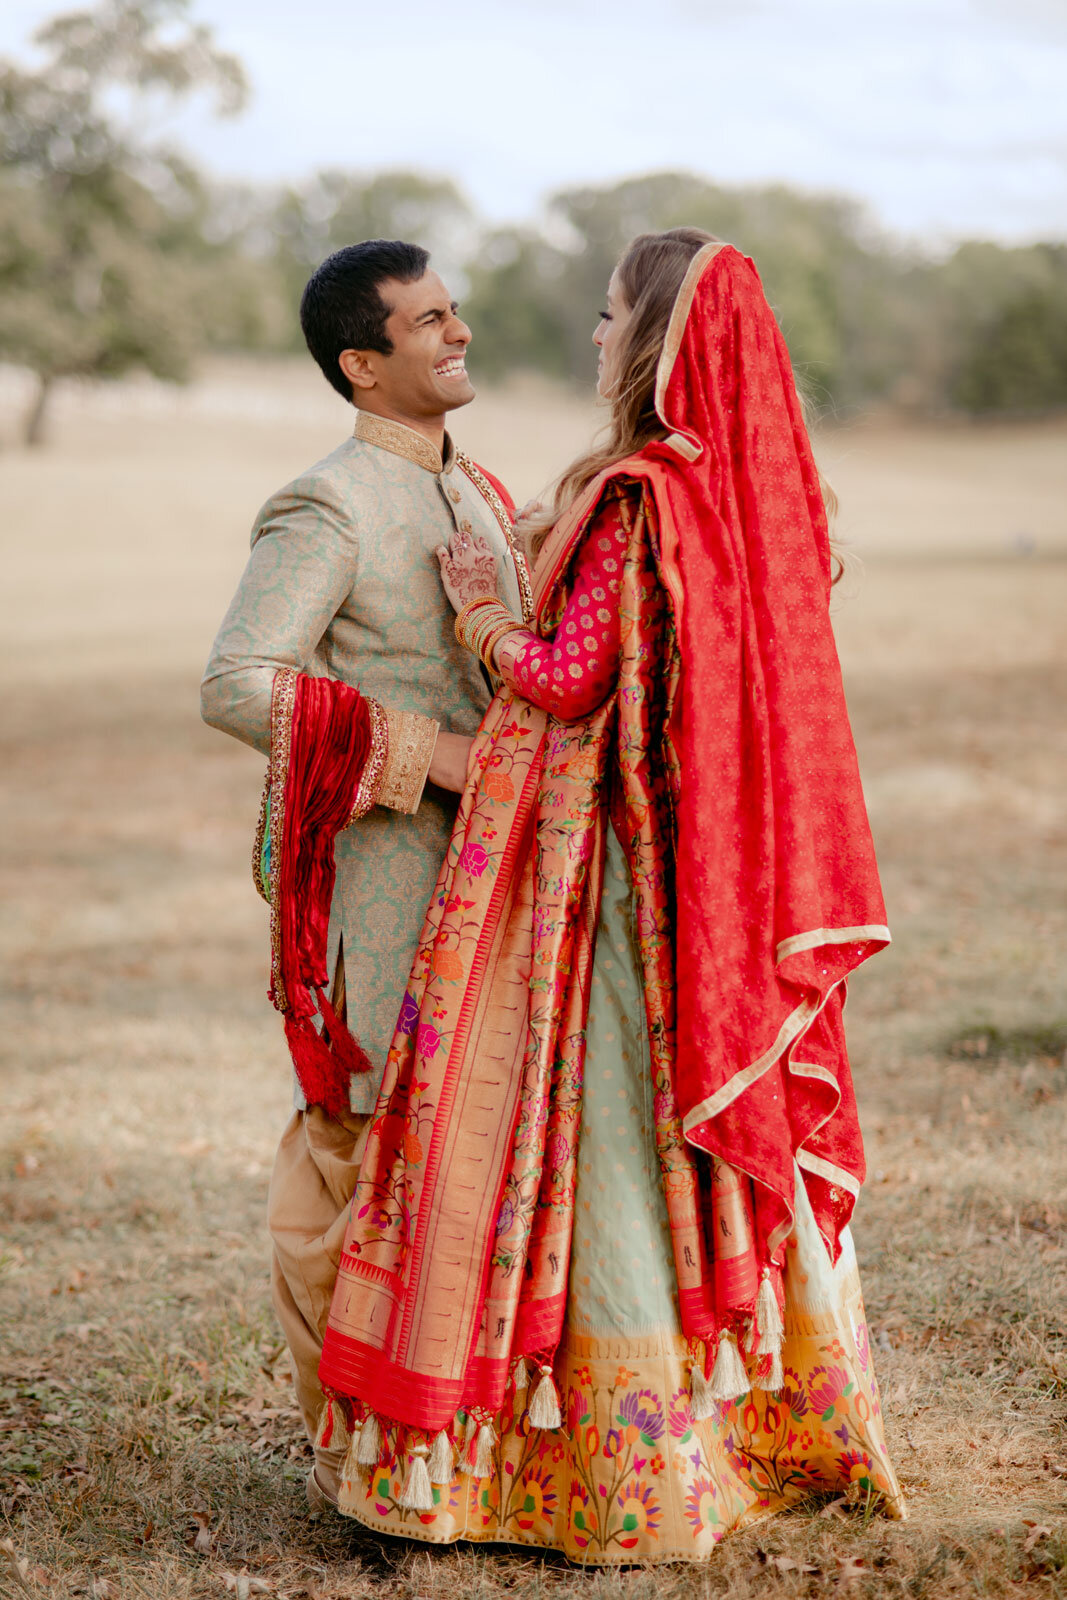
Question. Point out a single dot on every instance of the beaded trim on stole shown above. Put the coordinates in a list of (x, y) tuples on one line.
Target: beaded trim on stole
[(500, 511), (283, 697), (374, 769)]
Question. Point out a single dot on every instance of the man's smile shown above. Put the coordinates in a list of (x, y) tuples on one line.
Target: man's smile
[(451, 367)]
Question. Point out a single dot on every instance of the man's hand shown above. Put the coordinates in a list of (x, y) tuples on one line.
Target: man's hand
[(448, 764)]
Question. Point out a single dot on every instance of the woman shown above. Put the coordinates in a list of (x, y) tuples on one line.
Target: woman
[(597, 1291)]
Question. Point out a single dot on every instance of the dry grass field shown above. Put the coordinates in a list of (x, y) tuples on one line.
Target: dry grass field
[(147, 1443)]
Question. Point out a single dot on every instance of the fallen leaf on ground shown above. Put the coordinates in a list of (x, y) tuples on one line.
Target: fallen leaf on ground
[(17, 1565), (787, 1564), (835, 1508), (242, 1584), (850, 1569), (1036, 1534), (204, 1540), (103, 1589)]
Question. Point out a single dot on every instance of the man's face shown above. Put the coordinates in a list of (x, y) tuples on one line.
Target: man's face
[(425, 375)]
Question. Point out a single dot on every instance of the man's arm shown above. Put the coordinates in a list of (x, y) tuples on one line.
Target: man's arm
[(304, 563)]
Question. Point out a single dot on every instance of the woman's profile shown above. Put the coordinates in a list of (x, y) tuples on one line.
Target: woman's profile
[(597, 1291)]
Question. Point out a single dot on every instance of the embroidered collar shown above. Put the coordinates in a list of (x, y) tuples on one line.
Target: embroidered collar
[(403, 441)]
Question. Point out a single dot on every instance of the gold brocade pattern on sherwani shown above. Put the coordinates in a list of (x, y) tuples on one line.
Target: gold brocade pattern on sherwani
[(343, 583)]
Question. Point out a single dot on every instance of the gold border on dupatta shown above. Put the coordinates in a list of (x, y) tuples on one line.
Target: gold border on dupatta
[(817, 936), (684, 443), (793, 1028)]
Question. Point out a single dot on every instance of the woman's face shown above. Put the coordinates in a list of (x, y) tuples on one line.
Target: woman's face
[(608, 337)]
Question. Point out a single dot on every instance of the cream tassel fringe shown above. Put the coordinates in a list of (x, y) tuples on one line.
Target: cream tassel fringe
[(544, 1407), (370, 1442), (441, 1465), (521, 1375), (729, 1380), (701, 1399), (775, 1377), (417, 1493), (333, 1431), (483, 1459), (768, 1319), (350, 1468)]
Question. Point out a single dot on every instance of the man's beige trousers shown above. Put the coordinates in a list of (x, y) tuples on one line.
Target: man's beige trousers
[(314, 1175)]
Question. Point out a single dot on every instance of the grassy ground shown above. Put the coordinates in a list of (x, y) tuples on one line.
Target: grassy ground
[(148, 1446)]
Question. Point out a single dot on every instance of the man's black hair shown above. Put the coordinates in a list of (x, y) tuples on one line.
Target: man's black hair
[(341, 307)]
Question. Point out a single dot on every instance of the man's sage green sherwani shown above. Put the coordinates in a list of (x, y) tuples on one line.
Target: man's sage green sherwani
[(343, 583)]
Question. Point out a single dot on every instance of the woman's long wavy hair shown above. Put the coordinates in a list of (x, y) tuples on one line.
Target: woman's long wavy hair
[(650, 275)]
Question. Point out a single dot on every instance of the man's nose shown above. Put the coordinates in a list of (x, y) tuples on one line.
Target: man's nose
[(458, 332)]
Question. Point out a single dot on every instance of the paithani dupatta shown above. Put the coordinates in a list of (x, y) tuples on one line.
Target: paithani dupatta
[(456, 1254)]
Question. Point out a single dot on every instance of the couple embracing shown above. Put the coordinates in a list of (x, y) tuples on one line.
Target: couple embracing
[(568, 865)]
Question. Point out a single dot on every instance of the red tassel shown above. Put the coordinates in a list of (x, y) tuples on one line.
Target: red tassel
[(315, 1069), (329, 744), (346, 1051)]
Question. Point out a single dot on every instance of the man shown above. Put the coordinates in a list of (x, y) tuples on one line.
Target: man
[(343, 584)]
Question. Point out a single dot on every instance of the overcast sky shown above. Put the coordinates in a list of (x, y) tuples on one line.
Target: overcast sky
[(948, 117)]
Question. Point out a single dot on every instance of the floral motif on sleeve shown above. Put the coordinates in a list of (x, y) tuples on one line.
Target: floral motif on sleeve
[(570, 674)]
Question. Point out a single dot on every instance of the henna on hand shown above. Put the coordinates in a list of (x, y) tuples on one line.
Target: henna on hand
[(468, 569)]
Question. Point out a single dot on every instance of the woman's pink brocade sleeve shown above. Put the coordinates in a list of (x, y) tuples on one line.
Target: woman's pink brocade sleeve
[(570, 674)]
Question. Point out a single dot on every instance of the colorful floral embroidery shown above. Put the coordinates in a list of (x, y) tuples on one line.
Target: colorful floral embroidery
[(631, 1475)]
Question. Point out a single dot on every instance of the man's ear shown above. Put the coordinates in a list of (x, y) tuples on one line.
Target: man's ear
[(357, 368)]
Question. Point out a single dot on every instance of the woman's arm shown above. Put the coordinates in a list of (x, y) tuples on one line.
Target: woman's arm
[(571, 673)]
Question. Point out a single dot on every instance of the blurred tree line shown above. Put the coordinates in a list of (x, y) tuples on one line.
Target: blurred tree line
[(117, 255)]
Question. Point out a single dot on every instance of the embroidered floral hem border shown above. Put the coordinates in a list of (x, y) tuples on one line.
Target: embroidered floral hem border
[(631, 1476)]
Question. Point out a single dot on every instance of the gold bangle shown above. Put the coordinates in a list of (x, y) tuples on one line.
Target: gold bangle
[(501, 631), (469, 610), (486, 625), (478, 621)]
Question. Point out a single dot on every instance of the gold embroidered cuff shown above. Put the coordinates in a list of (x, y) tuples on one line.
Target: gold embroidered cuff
[(411, 744), (370, 784)]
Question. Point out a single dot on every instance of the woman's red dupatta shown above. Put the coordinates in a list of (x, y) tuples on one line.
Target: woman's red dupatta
[(320, 743), (778, 897), (778, 891)]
